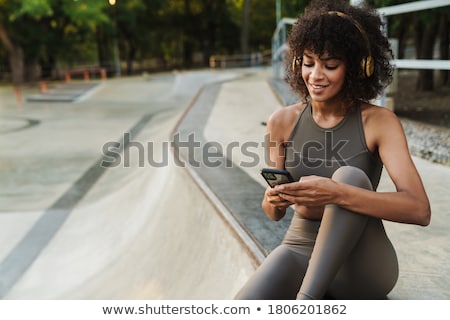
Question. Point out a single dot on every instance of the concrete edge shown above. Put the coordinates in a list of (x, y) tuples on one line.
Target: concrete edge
[(249, 244)]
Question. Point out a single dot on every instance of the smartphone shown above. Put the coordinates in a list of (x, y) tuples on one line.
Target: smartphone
[(276, 176)]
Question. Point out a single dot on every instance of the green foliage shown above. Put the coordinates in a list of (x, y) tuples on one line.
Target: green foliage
[(292, 8), (71, 32), (34, 8), (85, 12)]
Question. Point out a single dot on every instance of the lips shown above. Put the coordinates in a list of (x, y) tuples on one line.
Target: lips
[(317, 86)]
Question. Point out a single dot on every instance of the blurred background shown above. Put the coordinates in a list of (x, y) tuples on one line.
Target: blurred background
[(72, 228), (56, 39)]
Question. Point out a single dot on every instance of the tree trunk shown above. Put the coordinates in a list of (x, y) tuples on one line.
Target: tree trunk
[(47, 67), (16, 61), (130, 58), (211, 9), (16, 58), (245, 27), (187, 34), (425, 81), (402, 35), (31, 71), (444, 42), (418, 37), (105, 51)]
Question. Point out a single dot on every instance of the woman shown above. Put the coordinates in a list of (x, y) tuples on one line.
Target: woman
[(335, 144)]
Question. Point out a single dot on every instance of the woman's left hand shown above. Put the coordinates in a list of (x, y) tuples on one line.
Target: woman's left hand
[(309, 191)]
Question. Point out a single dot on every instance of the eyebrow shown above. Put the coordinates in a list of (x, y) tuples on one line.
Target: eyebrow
[(323, 59)]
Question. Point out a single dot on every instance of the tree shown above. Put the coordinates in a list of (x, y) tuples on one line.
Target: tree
[(426, 28), (132, 21), (48, 29), (423, 29), (11, 31), (444, 43), (56, 34), (16, 56), (245, 26)]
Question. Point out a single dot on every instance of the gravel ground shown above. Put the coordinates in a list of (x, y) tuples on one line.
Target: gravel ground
[(428, 141), (424, 116)]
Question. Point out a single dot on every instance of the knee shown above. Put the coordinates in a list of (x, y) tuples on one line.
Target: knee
[(353, 176)]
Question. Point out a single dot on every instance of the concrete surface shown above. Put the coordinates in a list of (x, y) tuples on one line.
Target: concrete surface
[(72, 229), (234, 112), (191, 228)]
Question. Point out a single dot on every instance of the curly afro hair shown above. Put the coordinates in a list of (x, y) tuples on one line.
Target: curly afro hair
[(320, 32)]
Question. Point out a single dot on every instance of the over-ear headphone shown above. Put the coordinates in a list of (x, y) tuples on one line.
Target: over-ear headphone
[(367, 63)]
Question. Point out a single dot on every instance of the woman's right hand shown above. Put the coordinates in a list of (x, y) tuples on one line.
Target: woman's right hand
[(280, 205), (273, 205), (272, 196)]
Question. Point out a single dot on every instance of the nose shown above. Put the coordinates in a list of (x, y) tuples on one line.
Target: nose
[(316, 72)]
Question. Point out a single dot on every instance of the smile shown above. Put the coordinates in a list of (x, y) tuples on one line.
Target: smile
[(316, 86)]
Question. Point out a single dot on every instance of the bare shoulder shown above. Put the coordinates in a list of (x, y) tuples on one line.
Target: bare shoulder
[(286, 115), (380, 123), (381, 117), (282, 121), (374, 113)]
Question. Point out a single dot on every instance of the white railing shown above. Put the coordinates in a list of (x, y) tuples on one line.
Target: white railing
[(279, 45), (412, 7), (279, 37)]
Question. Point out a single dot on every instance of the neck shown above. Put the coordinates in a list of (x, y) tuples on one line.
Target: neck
[(331, 108), (328, 113)]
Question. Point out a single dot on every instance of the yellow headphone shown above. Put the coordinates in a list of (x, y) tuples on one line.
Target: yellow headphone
[(367, 63)]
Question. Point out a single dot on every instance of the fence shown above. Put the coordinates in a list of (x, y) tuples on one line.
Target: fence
[(238, 60), (279, 45)]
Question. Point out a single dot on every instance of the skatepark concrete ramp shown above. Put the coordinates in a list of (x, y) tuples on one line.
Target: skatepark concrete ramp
[(131, 231), (148, 227)]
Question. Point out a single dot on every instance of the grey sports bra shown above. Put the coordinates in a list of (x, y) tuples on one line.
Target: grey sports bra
[(313, 150)]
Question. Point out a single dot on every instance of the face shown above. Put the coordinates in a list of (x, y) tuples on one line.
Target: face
[(324, 75)]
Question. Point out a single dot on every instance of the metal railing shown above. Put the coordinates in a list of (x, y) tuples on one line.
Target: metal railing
[(239, 60), (279, 45)]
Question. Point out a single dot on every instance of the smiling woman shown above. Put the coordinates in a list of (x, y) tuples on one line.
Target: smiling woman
[(334, 144), (323, 75)]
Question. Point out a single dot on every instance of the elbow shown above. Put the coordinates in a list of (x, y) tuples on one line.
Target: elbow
[(272, 212), (419, 210), (274, 218), (275, 215), (424, 214)]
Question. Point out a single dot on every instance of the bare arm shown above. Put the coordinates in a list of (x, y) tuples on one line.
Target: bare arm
[(276, 136), (409, 204)]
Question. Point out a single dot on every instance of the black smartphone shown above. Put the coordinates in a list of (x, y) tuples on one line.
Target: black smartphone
[(276, 176)]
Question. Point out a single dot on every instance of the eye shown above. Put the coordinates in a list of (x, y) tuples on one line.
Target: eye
[(333, 67), (308, 64)]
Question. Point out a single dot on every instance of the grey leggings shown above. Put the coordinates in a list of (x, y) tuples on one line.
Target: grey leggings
[(345, 256)]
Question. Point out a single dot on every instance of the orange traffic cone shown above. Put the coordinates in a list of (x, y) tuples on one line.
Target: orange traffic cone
[(18, 94), (43, 87)]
